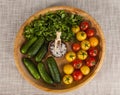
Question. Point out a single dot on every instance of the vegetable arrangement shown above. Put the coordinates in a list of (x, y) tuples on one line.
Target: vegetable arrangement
[(42, 31), (83, 55), (37, 51)]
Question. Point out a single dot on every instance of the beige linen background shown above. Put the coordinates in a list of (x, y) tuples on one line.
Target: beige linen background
[(14, 12)]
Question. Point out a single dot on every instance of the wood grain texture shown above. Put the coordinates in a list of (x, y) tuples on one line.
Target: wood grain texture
[(58, 88)]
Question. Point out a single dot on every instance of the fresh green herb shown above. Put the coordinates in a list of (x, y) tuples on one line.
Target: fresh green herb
[(47, 25)]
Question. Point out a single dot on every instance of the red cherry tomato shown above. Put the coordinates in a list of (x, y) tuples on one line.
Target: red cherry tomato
[(77, 63), (90, 61), (76, 47), (93, 52), (90, 32), (84, 25), (77, 75)]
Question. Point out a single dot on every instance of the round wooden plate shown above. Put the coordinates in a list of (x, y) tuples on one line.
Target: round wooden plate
[(60, 87)]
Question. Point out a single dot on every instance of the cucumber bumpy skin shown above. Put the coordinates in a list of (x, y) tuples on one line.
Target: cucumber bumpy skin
[(44, 74), (31, 68), (35, 47), (27, 45), (53, 68)]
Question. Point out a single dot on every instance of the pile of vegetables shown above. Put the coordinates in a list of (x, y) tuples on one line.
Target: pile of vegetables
[(47, 25), (83, 55), (35, 50), (41, 31)]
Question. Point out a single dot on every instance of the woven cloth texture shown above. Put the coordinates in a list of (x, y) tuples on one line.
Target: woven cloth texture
[(14, 12)]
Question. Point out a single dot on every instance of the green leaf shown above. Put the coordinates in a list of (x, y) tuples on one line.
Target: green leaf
[(47, 25)]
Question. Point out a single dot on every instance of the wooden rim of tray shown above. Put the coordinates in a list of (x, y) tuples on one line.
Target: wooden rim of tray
[(73, 10)]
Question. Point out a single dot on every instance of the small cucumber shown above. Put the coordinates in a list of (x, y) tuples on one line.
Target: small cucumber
[(44, 74), (35, 47), (27, 45), (41, 53), (53, 68), (31, 68)]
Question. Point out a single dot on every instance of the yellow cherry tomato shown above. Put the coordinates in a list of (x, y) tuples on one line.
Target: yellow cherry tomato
[(85, 70), (75, 29), (93, 41), (81, 36), (68, 79), (85, 45), (82, 54), (70, 56), (68, 69)]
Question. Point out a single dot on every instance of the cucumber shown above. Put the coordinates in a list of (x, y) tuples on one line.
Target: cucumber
[(44, 74), (27, 45), (31, 68), (41, 53), (35, 47), (53, 68)]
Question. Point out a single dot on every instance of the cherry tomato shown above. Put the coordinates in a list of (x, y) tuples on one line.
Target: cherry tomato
[(77, 75), (68, 69), (76, 46), (82, 54), (93, 52), (81, 36), (90, 32), (85, 45), (75, 29), (68, 79), (90, 61), (93, 41), (85, 70), (77, 63), (84, 25), (70, 56)]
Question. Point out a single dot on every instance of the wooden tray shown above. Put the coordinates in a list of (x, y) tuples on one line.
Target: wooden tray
[(60, 87)]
